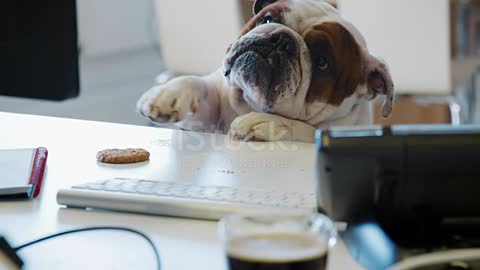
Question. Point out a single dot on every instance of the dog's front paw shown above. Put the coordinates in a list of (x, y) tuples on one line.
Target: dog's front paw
[(171, 102), (260, 127)]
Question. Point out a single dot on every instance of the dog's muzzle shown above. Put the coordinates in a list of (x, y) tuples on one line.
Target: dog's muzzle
[(260, 63)]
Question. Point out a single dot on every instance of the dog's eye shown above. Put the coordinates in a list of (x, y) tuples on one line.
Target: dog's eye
[(267, 18), (322, 64)]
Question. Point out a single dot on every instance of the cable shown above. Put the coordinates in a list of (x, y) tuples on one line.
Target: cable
[(144, 236)]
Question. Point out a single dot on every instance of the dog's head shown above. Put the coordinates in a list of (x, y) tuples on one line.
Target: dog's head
[(297, 58)]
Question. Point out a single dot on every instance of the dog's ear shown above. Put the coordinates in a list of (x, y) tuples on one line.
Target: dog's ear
[(260, 4), (379, 81)]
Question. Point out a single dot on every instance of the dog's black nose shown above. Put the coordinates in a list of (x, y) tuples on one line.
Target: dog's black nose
[(282, 41)]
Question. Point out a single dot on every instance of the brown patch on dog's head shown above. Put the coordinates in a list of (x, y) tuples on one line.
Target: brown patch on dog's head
[(260, 4), (337, 63)]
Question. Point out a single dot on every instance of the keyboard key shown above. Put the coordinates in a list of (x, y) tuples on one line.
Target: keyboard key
[(95, 187), (114, 188), (243, 196), (256, 199), (178, 190), (164, 185), (211, 193), (114, 182), (129, 187), (180, 194), (198, 195), (226, 193), (145, 188), (196, 192), (162, 191), (272, 201), (148, 182)]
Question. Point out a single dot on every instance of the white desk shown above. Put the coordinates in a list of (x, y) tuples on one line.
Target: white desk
[(175, 156)]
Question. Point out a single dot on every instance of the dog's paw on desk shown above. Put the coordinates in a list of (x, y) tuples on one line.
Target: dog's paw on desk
[(269, 127)]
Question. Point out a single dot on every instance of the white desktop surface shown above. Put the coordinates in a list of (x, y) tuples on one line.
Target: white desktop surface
[(175, 156)]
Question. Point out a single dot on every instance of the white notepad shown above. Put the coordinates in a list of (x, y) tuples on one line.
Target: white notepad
[(21, 171)]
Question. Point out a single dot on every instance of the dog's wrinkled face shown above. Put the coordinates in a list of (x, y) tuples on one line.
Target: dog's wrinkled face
[(298, 57)]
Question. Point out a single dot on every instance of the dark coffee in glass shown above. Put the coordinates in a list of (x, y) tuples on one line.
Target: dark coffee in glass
[(277, 252), (261, 242)]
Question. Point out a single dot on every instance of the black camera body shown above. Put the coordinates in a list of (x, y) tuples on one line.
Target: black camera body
[(420, 185)]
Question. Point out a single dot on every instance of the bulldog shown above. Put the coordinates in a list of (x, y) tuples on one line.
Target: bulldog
[(297, 65)]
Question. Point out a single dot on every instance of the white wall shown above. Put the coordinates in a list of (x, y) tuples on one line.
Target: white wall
[(195, 34), (413, 36), (109, 26)]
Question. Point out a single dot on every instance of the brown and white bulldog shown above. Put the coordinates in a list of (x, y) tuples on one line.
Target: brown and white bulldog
[(298, 65)]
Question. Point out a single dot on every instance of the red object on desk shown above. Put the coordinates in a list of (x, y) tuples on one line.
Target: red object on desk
[(38, 169)]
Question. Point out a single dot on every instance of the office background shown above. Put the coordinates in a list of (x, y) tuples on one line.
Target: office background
[(121, 54)]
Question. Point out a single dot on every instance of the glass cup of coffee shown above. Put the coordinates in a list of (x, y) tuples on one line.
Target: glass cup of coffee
[(277, 242)]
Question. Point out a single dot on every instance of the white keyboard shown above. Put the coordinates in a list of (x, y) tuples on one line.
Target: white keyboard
[(181, 199)]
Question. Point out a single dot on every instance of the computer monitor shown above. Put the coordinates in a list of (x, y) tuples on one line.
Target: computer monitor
[(39, 49)]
